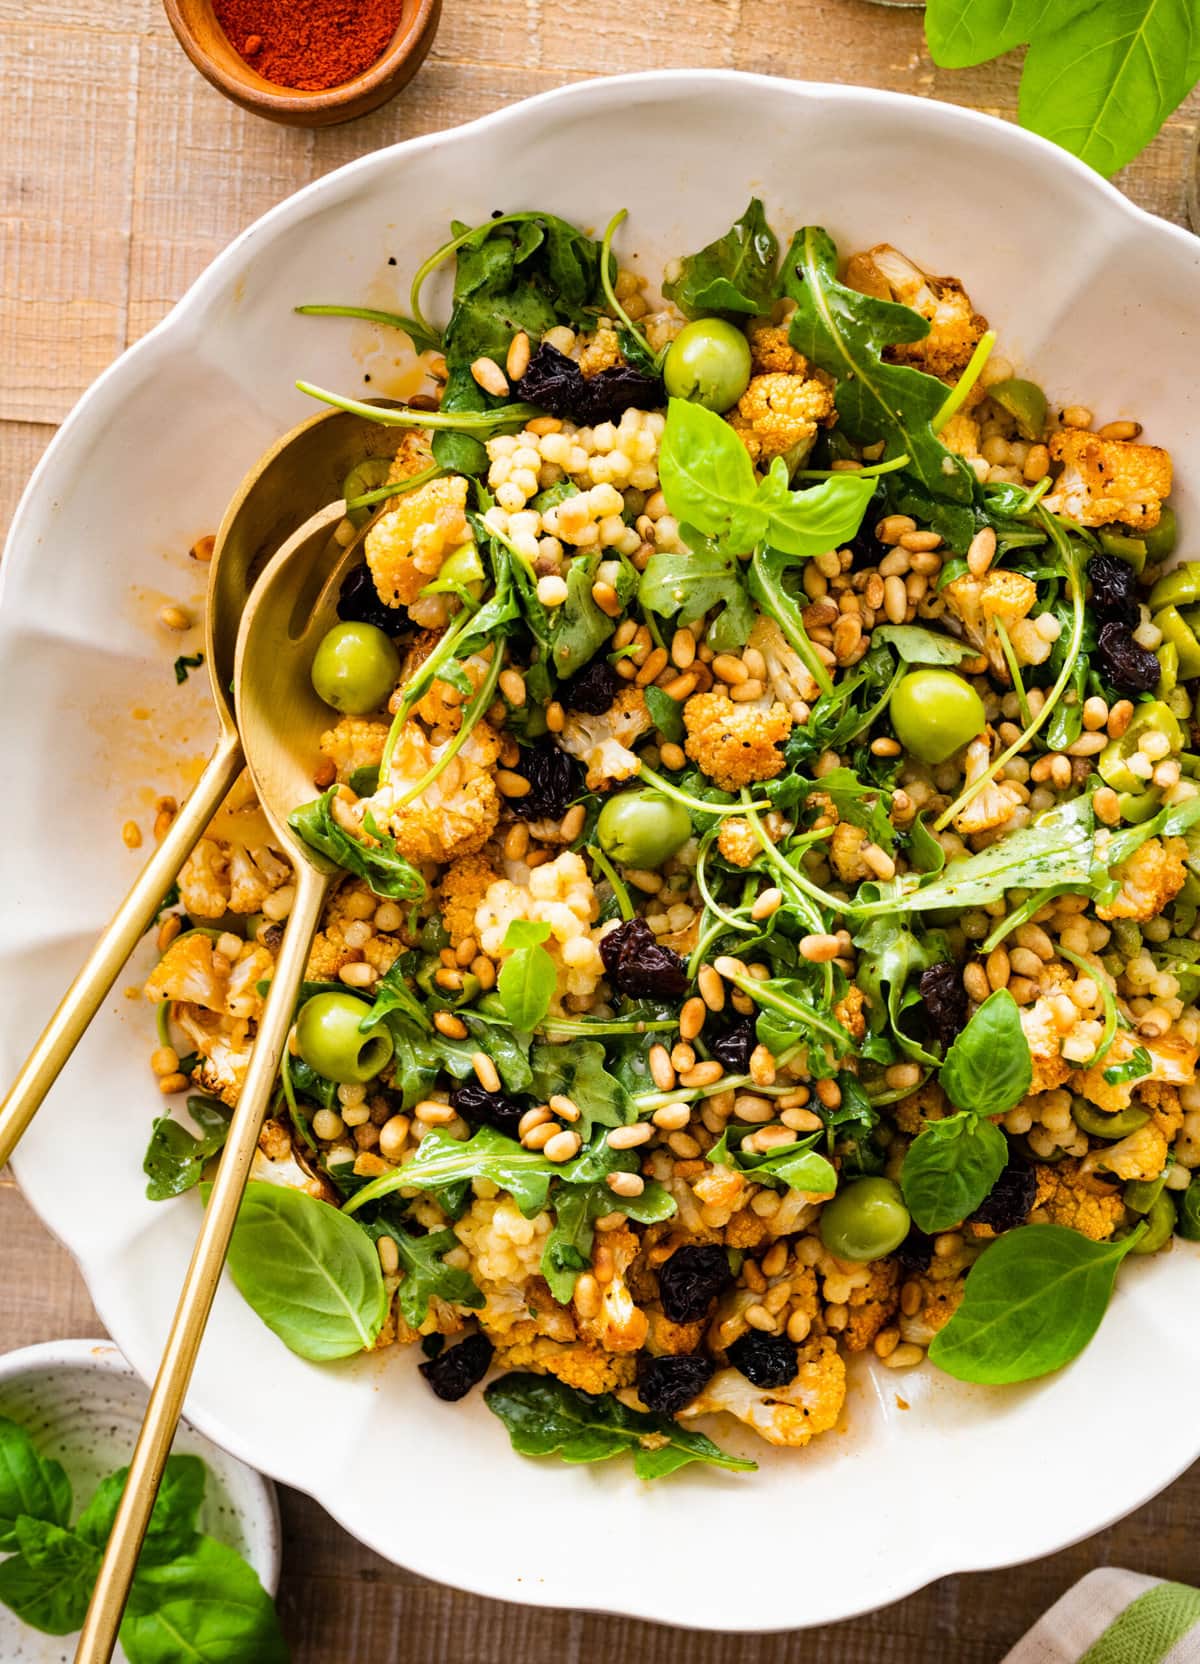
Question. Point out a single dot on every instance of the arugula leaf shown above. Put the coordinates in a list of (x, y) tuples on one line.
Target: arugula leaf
[(846, 333), (426, 1273), (578, 1072), (988, 1068), (576, 1207), (30, 1484), (528, 976), (689, 582), (861, 804), (1137, 1067), (308, 1270), (793, 1167), (174, 1521), (573, 633), (917, 646), (393, 995), (841, 716), (442, 1162), (205, 1606), (665, 713), (1098, 80), (385, 870), (175, 1158), (48, 1582), (545, 1417), (736, 273), (1033, 1300), (950, 1168), (890, 957), (709, 483)]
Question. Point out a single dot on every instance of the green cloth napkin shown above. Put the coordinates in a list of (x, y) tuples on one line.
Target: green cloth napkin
[(1116, 1617)]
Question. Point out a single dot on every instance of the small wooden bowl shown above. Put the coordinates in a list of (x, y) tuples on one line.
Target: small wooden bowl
[(206, 44)]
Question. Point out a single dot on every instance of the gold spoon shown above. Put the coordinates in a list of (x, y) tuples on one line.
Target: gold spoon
[(281, 720), (301, 472)]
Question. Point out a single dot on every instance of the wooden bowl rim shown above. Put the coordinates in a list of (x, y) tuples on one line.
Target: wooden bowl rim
[(255, 92)]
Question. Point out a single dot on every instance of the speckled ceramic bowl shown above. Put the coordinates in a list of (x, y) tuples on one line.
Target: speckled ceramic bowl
[(83, 1404)]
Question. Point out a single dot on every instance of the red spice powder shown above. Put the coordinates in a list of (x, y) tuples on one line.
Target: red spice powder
[(309, 44)]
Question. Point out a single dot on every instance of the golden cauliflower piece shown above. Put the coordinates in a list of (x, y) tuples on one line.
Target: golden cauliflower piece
[(219, 878), (1153, 876), (979, 602), (1068, 1196), (845, 852), (1173, 1063), (406, 546), (619, 1326), (1141, 1155), (442, 705), (223, 1046), (788, 677), (940, 1299), (961, 435), (737, 842), (771, 353), (790, 1415), (735, 744), (927, 1103), (954, 325), (413, 455), (1046, 1024), (456, 814), (330, 951), (464, 885), (354, 742), (781, 413), (604, 743), (873, 1306), (559, 893), (192, 971), (1106, 480), (996, 803), (587, 1367), (601, 350), (667, 1339)]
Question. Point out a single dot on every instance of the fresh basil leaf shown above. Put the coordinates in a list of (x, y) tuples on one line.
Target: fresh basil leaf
[(48, 1583), (665, 713), (1137, 1067), (950, 1168), (577, 1072), (917, 646), (30, 1484), (205, 1607), (1033, 1300), (545, 1417), (385, 870), (735, 274), (708, 479), (573, 633), (807, 523), (174, 1159), (526, 933), (988, 1069), (308, 1270), (174, 1521), (846, 333), (526, 986)]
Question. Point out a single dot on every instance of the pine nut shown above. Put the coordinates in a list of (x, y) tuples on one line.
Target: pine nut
[(702, 1074), (679, 687), (656, 663), (903, 1077), (801, 1120), (562, 1147), (512, 686), (879, 861), (448, 1024), (981, 551), (538, 1137), (175, 618), (202, 548), (762, 1066), (828, 1093), (565, 1108), (683, 649), (1120, 430), (486, 1072), (131, 835), (556, 717), (819, 949), (730, 670), (626, 1184), (490, 376), (672, 756), (628, 1138), (1077, 416), (167, 931), (587, 1295), (430, 1113), (389, 1255), (672, 1117), (552, 591), (893, 527), (904, 1357), (766, 903), (1119, 718), (536, 1117), (712, 989), (691, 1018), (661, 1071), (607, 599), (683, 1145), (919, 542), (517, 361), (682, 1057)]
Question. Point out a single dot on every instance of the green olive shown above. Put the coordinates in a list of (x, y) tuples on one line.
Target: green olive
[(461, 570), (369, 475), (1154, 717), (1188, 1223), (1180, 632), (865, 1221), (1160, 1225), (934, 714), (355, 668), (331, 1041), (642, 829), (1160, 540), (708, 362), (1140, 1195), (1132, 550), (1099, 1124), (1025, 403)]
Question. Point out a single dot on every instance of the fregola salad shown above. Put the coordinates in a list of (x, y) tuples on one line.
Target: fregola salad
[(760, 762)]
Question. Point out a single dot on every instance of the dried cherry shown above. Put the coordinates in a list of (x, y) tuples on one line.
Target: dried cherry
[(556, 384), (478, 1106), (691, 1279), (359, 603), (915, 1252), (765, 1360), (1114, 589), (1008, 1202), (1129, 667), (637, 965), (667, 1384), (593, 690), (455, 1371), (733, 1048), (945, 1000), (553, 780)]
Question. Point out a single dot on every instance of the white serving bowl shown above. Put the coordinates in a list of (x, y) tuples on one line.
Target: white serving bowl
[(928, 1477), (82, 1404)]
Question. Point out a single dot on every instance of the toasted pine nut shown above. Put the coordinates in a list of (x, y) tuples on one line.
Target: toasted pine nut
[(730, 670), (168, 1084), (607, 599), (202, 548), (131, 835), (433, 1114), (679, 687), (702, 1074), (175, 618), (448, 1024), (164, 1060), (512, 686), (683, 649), (565, 1108), (672, 1117), (517, 361), (628, 1138), (712, 989), (555, 717), (490, 376), (982, 551), (656, 663), (536, 1117), (486, 1072), (920, 541), (562, 1147), (691, 1018), (626, 1184), (762, 1066), (819, 949), (538, 1137), (167, 931), (1077, 416), (1120, 430), (661, 1071), (587, 1295), (512, 785)]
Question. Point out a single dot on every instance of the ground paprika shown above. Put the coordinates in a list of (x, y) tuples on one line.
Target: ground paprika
[(309, 44)]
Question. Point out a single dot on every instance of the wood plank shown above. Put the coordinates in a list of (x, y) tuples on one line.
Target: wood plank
[(21, 447)]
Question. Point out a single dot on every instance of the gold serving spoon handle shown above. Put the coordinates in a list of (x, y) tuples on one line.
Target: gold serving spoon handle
[(281, 719)]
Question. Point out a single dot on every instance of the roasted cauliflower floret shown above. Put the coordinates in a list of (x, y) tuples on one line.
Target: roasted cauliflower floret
[(846, 852), (619, 1325), (412, 456), (1046, 1024), (192, 971), (1068, 1196), (940, 1298), (1140, 1155), (788, 677), (505, 1251), (954, 325), (223, 1046), (873, 1306), (850, 1013), (771, 353), (407, 545), (589, 1368), (442, 705), (455, 815), (1107, 480), (464, 885), (219, 878), (735, 744), (778, 414), (997, 802), (559, 893), (354, 742), (961, 435), (1153, 876), (790, 1415), (1173, 1063), (737, 843), (604, 743), (979, 602), (331, 952)]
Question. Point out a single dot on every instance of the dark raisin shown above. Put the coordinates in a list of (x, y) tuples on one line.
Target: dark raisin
[(454, 1372), (637, 965), (765, 1360), (667, 1384), (592, 690), (359, 603), (733, 1048), (691, 1279), (945, 1001), (556, 384), (1130, 668), (1009, 1200), (553, 780), (1114, 589), (478, 1106), (915, 1252)]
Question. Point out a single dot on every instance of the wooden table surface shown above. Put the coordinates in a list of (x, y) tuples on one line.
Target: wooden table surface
[(121, 175)]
